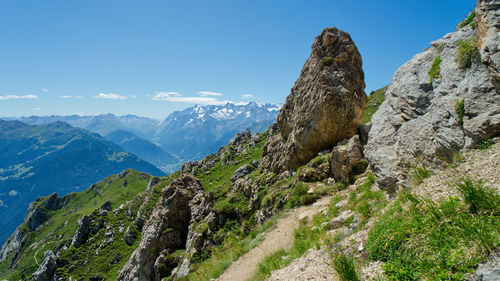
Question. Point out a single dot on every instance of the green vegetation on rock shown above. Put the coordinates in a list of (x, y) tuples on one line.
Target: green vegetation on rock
[(375, 99), (434, 72), (327, 61), (460, 111), (471, 19), (467, 52)]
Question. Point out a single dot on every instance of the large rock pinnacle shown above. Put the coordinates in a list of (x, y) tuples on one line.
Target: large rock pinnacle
[(325, 105)]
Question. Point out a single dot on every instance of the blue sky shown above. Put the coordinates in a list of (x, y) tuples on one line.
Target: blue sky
[(153, 57)]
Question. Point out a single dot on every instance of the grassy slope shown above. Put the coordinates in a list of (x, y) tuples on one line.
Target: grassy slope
[(62, 224), (375, 99)]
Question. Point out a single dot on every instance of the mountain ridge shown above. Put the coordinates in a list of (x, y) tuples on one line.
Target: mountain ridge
[(39, 160)]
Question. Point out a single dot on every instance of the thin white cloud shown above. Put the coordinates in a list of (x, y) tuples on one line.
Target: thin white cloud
[(37, 108), (176, 97), (46, 90), (110, 96), (8, 97), (133, 96), (13, 193), (247, 96), (209, 93), (71, 97)]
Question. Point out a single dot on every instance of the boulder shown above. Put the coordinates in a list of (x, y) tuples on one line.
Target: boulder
[(345, 158), (337, 221), (82, 232), (325, 105), (421, 118), (242, 171)]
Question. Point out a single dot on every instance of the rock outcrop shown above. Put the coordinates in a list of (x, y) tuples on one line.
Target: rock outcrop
[(82, 232), (171, 227), (432, 118), (36, 215), (488, 28), (345, 158), (47, 269), (325, 105)]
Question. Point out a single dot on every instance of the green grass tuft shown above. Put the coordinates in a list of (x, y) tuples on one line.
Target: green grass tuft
[(460, 111), (471, 19), (434, 72), (481, 200), (485, 144), (343, 263), (467, 53)]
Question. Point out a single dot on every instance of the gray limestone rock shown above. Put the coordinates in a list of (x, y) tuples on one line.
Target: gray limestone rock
[(47, 268), (419, 120), (242, 171), (82, 232)]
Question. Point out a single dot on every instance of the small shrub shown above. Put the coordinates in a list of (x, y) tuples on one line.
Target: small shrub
[(485, 144), (327, 61), (460, 111), (471, 19), (481, 200), (434, 72), (316, 162), (467, 53), (300, 196), (364, 208), (344, 266)]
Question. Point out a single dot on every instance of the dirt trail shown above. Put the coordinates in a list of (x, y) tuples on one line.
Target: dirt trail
[(281, 237)]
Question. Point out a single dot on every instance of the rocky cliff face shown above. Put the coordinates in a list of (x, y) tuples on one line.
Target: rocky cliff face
[(440, 102), (170, 228), (488, 28), (325, 105)]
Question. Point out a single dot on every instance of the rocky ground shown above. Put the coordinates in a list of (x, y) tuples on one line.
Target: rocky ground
[(481, 165)]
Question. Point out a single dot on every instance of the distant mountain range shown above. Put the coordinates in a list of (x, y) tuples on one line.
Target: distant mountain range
[(146, 149), (37, 160), (184, 135)]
